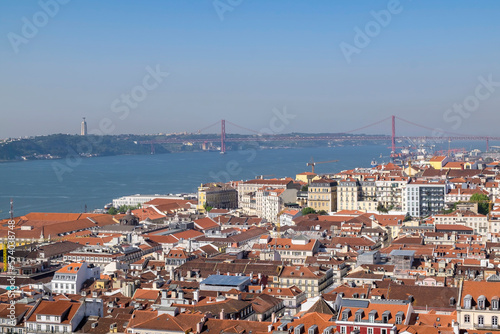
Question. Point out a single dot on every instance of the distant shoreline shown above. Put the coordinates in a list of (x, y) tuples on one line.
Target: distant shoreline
[(59, 146)]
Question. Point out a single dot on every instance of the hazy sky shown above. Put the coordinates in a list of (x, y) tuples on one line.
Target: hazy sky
[(334, 65)]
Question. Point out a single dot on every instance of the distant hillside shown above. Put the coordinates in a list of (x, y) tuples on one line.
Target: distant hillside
[(61, 145)]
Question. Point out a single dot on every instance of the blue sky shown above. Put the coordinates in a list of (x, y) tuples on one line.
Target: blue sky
[(263, 55)]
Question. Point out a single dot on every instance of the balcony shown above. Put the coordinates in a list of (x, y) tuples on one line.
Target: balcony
[(486, 326)]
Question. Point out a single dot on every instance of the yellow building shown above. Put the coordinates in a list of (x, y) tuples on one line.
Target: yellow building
[(307, 177), (322, 195), (438, 162), (217, 195)]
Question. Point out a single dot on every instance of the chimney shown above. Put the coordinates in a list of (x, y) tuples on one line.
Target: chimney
[(394, 330), (222, 314), (196, 296), (269, 328), (259, 276), (262, 287), (199, 326), (273, 317), (455, 326)]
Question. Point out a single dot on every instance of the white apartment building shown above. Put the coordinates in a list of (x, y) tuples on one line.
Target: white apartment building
[(270, 202), (390, 191), (424, 197), (70, 278)]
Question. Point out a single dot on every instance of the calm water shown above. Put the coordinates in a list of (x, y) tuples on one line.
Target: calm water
[(36, 187)]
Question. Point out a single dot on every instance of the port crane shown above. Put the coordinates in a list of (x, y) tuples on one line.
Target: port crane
[(313, 163)]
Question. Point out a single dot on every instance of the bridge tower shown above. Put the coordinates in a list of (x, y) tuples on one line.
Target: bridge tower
[(223, 137), (393, 137)]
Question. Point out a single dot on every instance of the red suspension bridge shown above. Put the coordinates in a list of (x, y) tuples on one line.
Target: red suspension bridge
[(261, 136)]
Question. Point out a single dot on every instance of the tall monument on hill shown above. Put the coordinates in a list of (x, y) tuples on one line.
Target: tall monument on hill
[(83, 130)]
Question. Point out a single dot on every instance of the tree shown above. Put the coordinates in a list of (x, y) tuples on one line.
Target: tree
[(125, 208), (112, 211), (308, 210), (482, 201), (207, 207), (322, 212), (381, 208), (304, 188), (451, 209)]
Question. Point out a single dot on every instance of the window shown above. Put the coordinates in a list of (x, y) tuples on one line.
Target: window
[(358, 316), (372, 316), (468, 302), (494, 320), (370, 330), (345, 314), (342, 329), (481, 302), (494, 303), (399, 318), (385, 317), (480, 320)]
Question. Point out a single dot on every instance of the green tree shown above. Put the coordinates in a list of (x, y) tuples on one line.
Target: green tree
[(125, 208), (452, 208), (304, 188), (207, 207), (482, 201), (308, 210), (112, 211), (322, 212), (381, 208)]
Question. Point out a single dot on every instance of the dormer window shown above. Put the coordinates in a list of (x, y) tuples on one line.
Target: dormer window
[(481, 302), (399, 317), (386, 316), (345, 314), (495, 303), (372, 315), (468, 302), (358, 316)]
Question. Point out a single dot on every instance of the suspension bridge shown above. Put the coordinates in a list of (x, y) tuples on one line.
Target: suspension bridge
[(259, 136)]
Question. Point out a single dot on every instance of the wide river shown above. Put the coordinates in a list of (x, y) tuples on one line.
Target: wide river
[(68, 185)]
